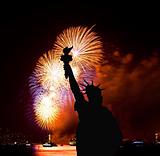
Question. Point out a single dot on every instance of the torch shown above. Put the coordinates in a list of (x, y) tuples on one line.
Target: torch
[(66, 58)]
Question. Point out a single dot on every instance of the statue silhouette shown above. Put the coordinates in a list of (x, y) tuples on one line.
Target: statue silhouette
[(98, 133)]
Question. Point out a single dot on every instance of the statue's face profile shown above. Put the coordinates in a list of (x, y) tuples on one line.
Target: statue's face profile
[(95, 98)]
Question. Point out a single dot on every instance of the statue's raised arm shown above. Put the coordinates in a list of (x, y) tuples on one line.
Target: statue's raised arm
[(66, 58)]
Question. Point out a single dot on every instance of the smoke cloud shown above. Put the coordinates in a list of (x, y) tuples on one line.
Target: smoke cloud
[(132, 92)]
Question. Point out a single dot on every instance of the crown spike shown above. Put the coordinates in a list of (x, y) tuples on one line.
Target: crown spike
[(92, 82), (86, 82), (98, 85)]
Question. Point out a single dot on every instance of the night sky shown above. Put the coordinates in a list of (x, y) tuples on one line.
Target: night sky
[(29, 30)]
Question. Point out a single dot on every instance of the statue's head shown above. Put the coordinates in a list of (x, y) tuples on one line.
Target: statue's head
[(94, 93)]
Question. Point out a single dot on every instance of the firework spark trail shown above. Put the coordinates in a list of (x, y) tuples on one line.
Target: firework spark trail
[(49, 88)]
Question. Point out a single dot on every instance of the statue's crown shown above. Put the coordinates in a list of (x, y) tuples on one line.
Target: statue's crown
[(91, 89)]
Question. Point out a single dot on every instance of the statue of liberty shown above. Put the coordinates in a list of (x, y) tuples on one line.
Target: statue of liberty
[(98, 133)]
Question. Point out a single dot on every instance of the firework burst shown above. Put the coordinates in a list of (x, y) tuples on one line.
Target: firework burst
[(87, 47), (49, 88)]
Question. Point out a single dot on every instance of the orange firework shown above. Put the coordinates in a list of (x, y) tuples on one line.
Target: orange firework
[(49, 88)]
